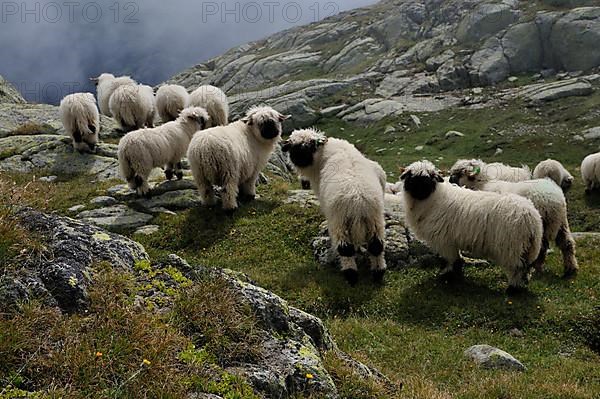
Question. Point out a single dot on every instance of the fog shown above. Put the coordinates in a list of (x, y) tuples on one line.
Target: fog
[(50, 48)]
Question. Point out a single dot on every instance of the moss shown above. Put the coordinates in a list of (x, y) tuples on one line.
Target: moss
[(101, 236), (143, 266)]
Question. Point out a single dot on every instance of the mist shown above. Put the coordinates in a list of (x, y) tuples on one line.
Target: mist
[(49, 49)]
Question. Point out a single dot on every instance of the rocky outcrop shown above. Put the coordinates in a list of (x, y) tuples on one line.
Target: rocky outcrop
[(8, 94)]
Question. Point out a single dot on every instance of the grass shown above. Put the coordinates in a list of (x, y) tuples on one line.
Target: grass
[(415, 327)]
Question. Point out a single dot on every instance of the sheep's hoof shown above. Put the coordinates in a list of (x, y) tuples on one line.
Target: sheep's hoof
[(514, 291), (305, 185), (453, 276), (570, 273), (351, 276), (378, 276), (169, 174), (247, 198), (229, 212), (179, 175)]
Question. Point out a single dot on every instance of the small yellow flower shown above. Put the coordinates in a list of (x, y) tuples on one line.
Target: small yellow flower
[(310, 376), (510, 302), (98, 354), (146, 362)]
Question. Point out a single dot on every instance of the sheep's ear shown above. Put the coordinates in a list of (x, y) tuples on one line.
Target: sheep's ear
[(202, 121), (438, 178), (94, 79), (284, 117), (247, 120), (286, 146), (405, 175)]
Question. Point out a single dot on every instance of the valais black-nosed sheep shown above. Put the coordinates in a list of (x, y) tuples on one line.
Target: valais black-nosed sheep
[(233, 156), (81, 120), (491, 171), (351, 189), (215, 101), (556, 171), (106, 84), (506, 229), (164, 146), (590, 172), (133, 107), (170, 101), (548, 199)]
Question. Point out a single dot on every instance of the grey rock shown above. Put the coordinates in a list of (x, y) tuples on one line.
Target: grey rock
[(484, 21), (172, 200), (512, 79), (332, 111), (454, 133), (574, 39), (489, 64), (592, 133), (62, 276), (115, 218), (522, 47), (48, 179), (304, 198), (103, 201), (416, 120), (9, 94), (433, 63), (493, 358), (553, 91), (147, 230), (76, 209), (453, 75), (586, 235)]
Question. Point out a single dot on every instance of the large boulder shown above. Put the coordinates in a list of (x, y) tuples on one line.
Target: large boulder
[(484, 21), (523, 48), (575, 37), (489, 65), (9, 94)]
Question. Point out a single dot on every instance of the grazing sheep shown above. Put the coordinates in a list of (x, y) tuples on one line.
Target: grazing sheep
[(233, 156), (487, 172), (164, 146), (351, 189), (133, 107), (215, 101), (590, 172), (506, 229), (106, 84), (170, 101), (81, 120), (550, 202), (555, 171)]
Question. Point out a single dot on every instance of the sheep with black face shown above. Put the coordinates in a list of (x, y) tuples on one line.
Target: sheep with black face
[(506, 229), (350, 188), (233, 156)]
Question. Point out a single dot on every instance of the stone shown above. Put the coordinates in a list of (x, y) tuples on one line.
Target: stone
[(147, 230), (389, 129), (115, 218), (522, 48), (332, 111), (9, 94), (419, 148), (547, 73), (543, 92), (76, 209), (489, 65), (433, 63), (48, 179), (416, 120), (499, 151), (304, 198), (493, 358), (103, 201), (452, 75), (484, 21), (592, 133), (454, 133), (512, 79), (575, 37), (172, 200)]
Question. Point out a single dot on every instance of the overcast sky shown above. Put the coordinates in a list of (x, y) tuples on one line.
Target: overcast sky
[(49, 48)]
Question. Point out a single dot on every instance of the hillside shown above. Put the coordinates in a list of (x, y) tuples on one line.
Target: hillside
[(103, 294)]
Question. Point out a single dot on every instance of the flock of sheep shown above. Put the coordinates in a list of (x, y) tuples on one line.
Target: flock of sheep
[(490, 211)]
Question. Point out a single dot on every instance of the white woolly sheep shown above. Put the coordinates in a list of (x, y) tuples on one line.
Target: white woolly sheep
[(556, 171), (351, 189), (106, 84), (170, 101), (506, 229), (590, 172), (548, 199), (133, 107), (215, 101), (491, 171), (81, 120), (164, 146), (233, 156)]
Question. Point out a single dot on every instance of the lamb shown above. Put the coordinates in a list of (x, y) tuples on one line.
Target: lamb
[(215, 101), (170, 101), (350, 189), (106, 84), (133, 107), (548, 199), (164, 146), (81, 120), (233, 156), (492, 171), (506, 229), (590, 172), (555, 171)]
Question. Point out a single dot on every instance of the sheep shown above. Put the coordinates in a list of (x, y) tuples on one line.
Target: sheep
[(164, 146), (215, 101), (548, 199), (170, 101), (233, 156), (506, 229), (555, 171), (492, 171), (81, 119), (350, 189), (106, 84), (133, 107), (590, 172)]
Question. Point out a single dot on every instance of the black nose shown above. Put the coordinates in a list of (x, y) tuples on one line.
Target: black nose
[(269, 130), (454, 179)]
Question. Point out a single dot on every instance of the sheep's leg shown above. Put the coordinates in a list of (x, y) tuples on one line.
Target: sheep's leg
[(248, 190), (169, 171), (207, 194), (347, 253), (454, 265), (566, 243), (518, 279), (375, 248), (142, 186), (179, 170), (229, 196), (538, 264)]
